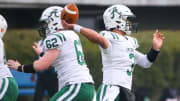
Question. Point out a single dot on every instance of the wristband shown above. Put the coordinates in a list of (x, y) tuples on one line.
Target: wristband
[(77, 28), (152, 55), (28, 68), (20, 68), (41, 54)]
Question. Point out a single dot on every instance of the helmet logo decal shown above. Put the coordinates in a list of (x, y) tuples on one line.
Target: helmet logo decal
[(2, 29), (54, 12), (114, 10)]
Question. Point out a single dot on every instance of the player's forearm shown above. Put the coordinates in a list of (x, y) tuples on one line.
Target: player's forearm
[(92, 35), (48, 58), (88, 33), (40, 64), (27, 68)]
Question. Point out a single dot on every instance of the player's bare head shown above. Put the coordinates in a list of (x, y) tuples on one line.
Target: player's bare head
[(50, 20), (3, 26), (119, 17)]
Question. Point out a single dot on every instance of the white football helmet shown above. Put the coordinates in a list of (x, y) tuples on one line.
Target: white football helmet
[(3, 26), (50, 20), (118, 16)]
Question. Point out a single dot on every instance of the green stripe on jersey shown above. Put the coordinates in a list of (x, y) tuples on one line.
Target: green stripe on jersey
[(58, 37), (2, 87), (115, 36), (63, 36)]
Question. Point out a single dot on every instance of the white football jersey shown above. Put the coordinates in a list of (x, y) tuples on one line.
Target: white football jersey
[(70, 64), (118, 59), (4, 70)]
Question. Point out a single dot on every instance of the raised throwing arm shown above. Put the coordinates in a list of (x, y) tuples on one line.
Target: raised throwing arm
[(90, 34)]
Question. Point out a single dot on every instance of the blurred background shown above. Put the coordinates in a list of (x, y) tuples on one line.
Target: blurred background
[(159, 83)]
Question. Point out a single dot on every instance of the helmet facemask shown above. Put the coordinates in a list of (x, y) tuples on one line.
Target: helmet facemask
[(43, 29), (131, 25)]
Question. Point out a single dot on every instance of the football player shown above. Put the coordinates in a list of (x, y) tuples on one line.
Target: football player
[(118, 50), (8, 85), (44, 77), (64, 52)]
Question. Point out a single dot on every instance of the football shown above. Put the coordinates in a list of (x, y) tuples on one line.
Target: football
[(70, 13)]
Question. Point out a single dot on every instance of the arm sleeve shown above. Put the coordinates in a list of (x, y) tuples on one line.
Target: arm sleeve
[(152, 54), (53, 41), (142, 60)]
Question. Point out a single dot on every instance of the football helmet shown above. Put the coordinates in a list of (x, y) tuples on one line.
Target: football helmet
[(3, 26), (120, 17), (50, 20)]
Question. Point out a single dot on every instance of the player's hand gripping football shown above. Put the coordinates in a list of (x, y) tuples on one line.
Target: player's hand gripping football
[(13, 64), (67, 25), (37, 48), (158, 40)]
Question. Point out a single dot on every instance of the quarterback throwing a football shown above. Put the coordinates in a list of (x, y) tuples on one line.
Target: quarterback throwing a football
[(118, 50), (64, 52)]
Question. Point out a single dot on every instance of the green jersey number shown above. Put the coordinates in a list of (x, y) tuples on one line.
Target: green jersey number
[(51, 43), (79, 52), (132, 57)]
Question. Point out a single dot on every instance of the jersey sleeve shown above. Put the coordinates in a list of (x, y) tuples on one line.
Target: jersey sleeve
[(109, 37), (142, 60), (53, 41)]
